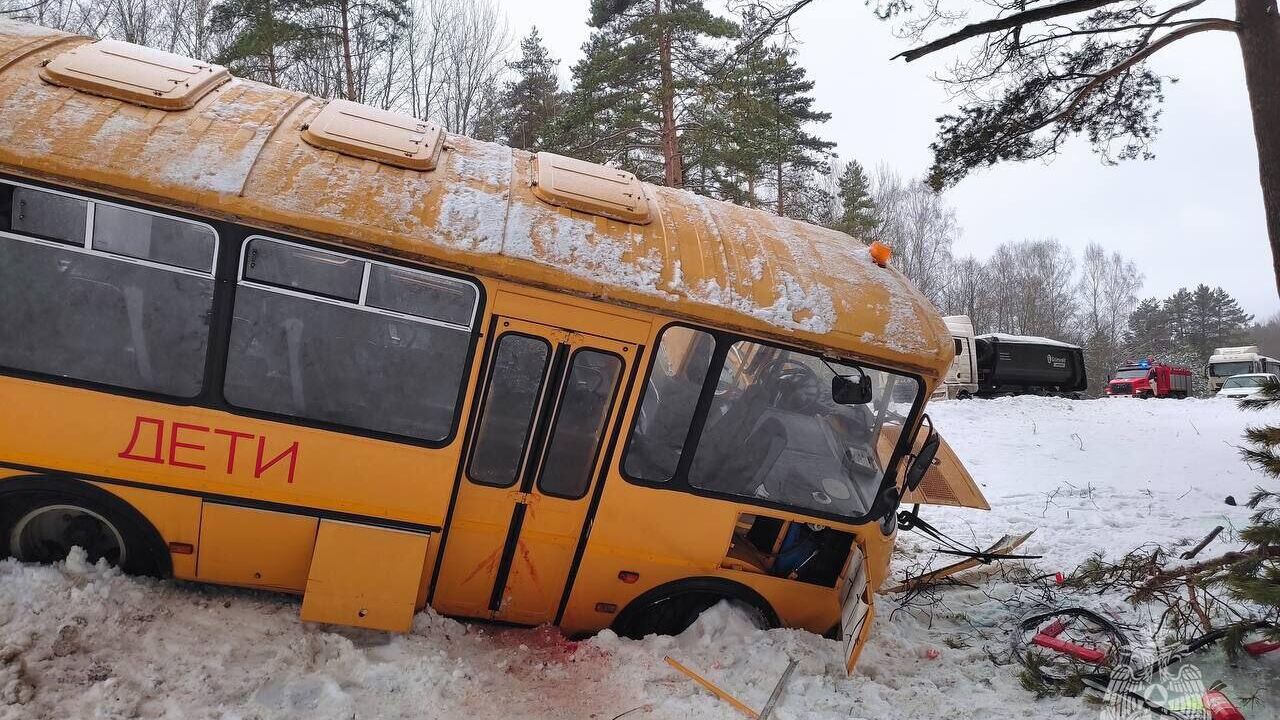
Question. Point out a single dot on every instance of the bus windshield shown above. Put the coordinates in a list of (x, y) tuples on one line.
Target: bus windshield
[(772, 431), (1227, 369)]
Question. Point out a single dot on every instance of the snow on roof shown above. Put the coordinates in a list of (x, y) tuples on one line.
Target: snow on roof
[(239, 153), (1027, 340)]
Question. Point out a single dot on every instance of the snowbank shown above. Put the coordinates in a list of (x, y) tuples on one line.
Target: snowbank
[(78, 641)]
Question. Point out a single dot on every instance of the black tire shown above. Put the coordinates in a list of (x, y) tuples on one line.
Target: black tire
[(77, 513), (670, 609), (964, 395)]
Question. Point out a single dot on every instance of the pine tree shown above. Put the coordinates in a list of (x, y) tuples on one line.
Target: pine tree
[(259, 36), (1150, 332), (1215, 319), (1177, 308), (857, 208), (532, 100), (1258, 581), (761, 133), (350, 34), (644, 59), (794, 155)]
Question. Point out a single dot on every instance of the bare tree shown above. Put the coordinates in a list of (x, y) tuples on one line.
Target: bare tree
[(1108, 291), (476, 47), (1030, 288), (967, 291), (920, 227)]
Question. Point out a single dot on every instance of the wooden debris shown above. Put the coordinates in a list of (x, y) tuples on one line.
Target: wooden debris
[(1202, 544), (713, 689), (1003, 546), (767, 712)]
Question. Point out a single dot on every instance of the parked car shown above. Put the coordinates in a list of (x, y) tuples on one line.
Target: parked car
[(1238, 386)]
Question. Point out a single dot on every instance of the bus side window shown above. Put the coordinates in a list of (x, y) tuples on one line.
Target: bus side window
[(44, 215), (579, 426), (152, 237), (77, 312), (519, 368), (305, 343), (670, 398)]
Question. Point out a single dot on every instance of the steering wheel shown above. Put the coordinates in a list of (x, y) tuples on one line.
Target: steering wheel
[(798, 387)]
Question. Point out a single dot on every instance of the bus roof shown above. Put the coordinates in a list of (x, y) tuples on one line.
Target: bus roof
[(239, 154)]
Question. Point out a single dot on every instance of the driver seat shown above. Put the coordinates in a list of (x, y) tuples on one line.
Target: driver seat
[(773, 435)]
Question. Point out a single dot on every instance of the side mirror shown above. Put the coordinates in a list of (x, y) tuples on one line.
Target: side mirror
[(851, 391), (922, 460)]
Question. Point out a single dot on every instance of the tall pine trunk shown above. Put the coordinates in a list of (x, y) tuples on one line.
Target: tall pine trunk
[(345, 8), (1260, 47), (674, 174)]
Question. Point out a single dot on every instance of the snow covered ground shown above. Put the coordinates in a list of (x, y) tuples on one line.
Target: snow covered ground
[(78, 641)]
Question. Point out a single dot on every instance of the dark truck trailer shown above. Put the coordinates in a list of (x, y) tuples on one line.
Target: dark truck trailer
[(1024, 365)]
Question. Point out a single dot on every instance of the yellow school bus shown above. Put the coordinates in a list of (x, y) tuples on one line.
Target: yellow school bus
[(251, 337)]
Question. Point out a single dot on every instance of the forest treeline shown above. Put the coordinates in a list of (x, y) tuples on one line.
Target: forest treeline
[(683, 96)]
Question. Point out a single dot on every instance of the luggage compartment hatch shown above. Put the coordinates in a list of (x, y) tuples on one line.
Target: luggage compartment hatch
[(365, 576)]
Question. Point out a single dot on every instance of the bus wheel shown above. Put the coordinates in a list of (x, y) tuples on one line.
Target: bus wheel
[(964, 395), (670, 609), (41, 519)]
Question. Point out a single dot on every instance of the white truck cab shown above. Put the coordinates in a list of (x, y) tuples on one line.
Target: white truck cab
[(1228, 361), (962, 379)]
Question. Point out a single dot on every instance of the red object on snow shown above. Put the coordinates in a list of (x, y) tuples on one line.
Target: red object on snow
[(1079, 652), (1261, 647), (1055, 628), (1150, 379), (1059, 579), (1219, 707)]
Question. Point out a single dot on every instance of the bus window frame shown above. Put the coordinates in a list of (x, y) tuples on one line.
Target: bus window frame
[(225, 272), (468, 365), (724, 341)]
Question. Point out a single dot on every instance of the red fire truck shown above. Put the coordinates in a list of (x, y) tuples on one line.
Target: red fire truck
[(1147, 378)]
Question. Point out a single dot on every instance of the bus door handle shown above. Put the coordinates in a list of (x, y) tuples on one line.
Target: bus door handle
[(522, 498)]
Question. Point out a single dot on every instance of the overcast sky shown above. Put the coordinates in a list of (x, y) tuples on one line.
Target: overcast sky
[(1192, 215)]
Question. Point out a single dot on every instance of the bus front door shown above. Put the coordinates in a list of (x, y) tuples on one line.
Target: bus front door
[(548, 403)]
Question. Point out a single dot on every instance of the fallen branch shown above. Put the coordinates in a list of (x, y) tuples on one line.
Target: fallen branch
[(1231, 558), (1202, 544)]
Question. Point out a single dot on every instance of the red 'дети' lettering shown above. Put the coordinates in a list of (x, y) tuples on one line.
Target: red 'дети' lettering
[(138, 422), (175, 443), (182, 441), (291, 451)]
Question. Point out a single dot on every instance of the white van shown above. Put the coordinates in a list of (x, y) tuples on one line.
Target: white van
[(962, 380)]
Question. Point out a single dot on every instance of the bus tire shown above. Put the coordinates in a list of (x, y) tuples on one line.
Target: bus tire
[(41, 518), (671, 608)]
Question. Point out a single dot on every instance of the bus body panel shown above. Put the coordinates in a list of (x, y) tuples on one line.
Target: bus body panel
[(114, 437)]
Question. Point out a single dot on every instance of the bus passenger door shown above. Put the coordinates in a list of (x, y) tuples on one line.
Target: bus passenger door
[(549, 400)]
